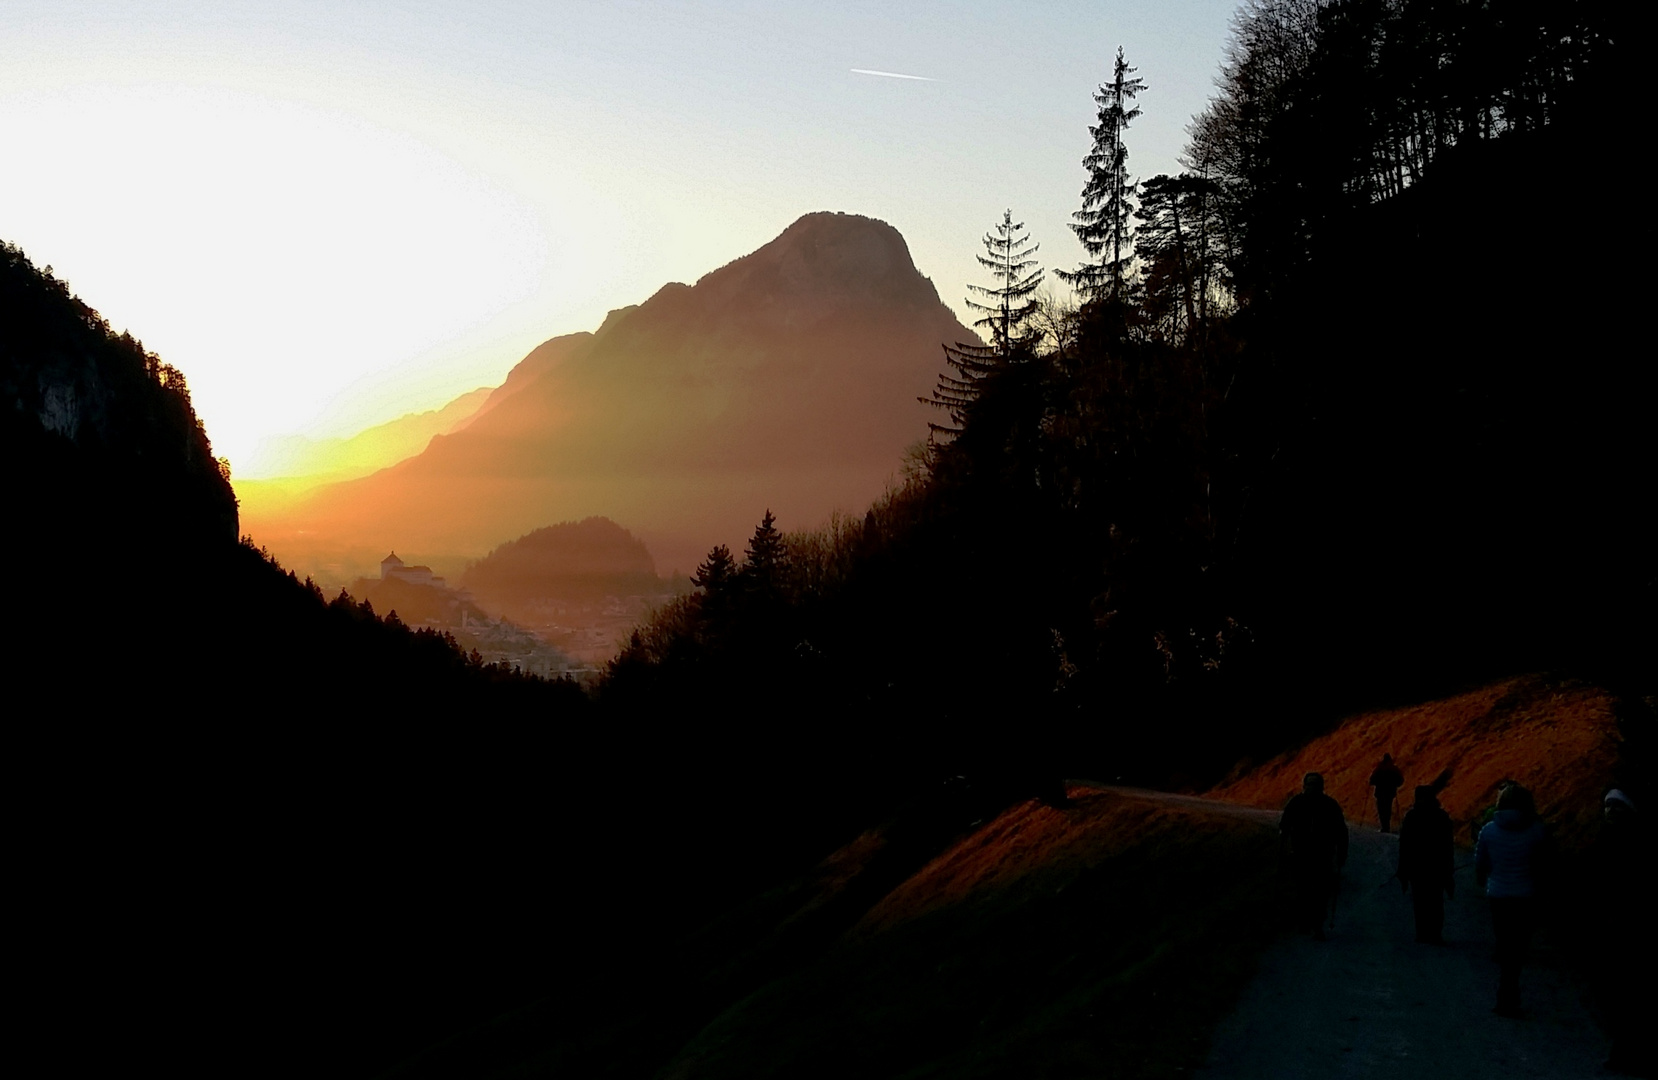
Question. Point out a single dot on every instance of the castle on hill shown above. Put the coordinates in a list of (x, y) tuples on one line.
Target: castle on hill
[(393, 569)]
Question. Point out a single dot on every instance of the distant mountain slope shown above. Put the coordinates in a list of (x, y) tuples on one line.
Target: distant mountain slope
[(787, 379), (371, 449), (538, 362)]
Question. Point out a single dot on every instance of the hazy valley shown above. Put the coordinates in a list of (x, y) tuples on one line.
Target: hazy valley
[(787, 380), (784, 679)]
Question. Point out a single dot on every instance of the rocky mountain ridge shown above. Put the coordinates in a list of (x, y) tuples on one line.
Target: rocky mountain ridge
[(787, 379)]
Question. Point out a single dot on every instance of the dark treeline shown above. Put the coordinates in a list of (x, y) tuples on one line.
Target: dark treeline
[(1313, 442), (1344, 418), (1351, 412), (1329, 107), (255, 828)]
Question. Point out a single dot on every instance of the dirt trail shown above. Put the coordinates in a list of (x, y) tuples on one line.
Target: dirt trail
[(1370, 1002)]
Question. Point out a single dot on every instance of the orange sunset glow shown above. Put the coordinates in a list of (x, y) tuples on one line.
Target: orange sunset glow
[(729, 541)]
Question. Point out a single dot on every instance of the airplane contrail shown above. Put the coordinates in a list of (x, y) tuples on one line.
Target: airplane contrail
[(891, 75)]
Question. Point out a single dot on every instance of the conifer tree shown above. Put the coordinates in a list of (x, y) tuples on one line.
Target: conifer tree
[(1011, 303), (763, 561), (1012, 306), (957, 394), (716, 571), (1107, 198)]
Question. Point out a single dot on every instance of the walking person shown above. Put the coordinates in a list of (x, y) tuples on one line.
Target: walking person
[(1313, 827), (1387, 780), (1507, 861), (1624, 946), (1427, 863)]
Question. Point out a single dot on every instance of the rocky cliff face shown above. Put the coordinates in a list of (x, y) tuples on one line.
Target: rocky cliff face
[(99, 436), (786, 379)]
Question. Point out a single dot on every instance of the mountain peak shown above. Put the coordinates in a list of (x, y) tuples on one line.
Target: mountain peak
[(827, 255), (793, 377)]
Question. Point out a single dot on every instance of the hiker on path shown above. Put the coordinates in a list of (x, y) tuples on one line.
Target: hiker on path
[(1508, 861), (1387, 780), (1623, 934), (1316, 832), (1427, 863)]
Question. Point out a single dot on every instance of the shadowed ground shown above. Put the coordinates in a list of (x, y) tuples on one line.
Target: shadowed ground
[(1128, 934), (1370, 1002)]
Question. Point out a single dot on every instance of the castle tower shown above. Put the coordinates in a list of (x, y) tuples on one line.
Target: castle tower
[(389, 564)]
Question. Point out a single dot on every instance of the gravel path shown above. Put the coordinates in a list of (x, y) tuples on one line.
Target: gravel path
[(1369, 1002)]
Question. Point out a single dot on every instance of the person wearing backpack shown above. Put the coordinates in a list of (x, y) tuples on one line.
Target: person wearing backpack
[(1508, 861)]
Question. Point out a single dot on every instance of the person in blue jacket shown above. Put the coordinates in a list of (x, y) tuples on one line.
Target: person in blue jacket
[(1508, 861)]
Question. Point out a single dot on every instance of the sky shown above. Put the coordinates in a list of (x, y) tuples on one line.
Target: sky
[(327, 215)]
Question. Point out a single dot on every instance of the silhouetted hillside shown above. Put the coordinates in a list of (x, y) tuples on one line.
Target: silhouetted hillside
[(101, 449), (1394, 446), (1392, 460), (959, 937), (787, 378), (241, 801)]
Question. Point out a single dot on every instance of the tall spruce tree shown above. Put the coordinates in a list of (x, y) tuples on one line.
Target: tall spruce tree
[(1011, 302), (1012, 305), (957, 394), (762, 570), (1103, 223)]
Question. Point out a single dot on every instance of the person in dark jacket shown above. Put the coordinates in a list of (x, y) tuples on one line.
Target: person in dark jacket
[(1508, 861), (1313, 828), (1387, 780), (1427, 863), (1623, 942)]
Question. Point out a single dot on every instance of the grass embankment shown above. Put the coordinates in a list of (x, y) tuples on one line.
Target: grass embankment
[(1105, 939), (1558, 738)]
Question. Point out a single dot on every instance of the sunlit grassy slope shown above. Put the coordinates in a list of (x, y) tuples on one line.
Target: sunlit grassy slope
[(1558, 738), (1104, 939)]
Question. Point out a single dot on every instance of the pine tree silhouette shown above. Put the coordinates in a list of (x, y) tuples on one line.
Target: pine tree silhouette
[(1103, 223), (1017, 275), (763, 561)]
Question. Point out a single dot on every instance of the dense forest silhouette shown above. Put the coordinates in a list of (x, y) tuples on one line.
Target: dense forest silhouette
[(1345, 422), (1354, 427), (1344, 430), (1352, 410), (228, 781)]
